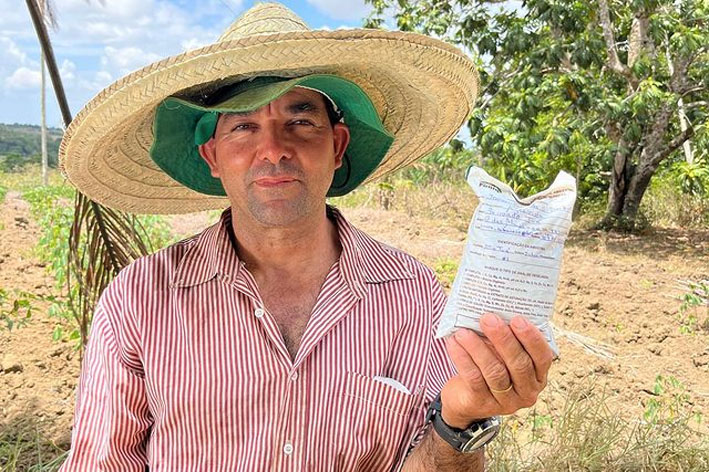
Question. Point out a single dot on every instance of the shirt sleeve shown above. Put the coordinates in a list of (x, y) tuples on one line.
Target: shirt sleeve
[(111, 418), (439, 370)]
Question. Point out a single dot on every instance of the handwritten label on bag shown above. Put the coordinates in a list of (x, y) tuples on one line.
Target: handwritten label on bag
[(512, 255)]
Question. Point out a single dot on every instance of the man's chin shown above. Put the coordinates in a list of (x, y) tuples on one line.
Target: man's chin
[(278, 212)]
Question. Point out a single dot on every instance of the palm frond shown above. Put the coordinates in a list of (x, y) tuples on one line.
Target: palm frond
[(590, 345), (48, 13), (101, 242)]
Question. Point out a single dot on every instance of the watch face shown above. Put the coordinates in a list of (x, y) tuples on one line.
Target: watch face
[(479, 441)]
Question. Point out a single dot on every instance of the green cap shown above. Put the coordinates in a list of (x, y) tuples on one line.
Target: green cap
[(181, 126)]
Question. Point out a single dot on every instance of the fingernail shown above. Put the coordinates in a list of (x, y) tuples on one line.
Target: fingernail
[(491, 320), (520, 323)]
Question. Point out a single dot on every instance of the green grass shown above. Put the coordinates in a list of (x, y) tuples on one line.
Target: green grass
[(591, 434), (30, 177)]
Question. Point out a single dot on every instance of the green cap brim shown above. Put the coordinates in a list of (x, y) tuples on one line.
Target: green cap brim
[(181, 126)]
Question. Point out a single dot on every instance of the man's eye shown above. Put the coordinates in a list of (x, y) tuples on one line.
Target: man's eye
[(302, 122), (241, 126)]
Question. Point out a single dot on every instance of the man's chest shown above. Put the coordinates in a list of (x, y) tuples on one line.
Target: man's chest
[(214, 364), (291, 315)]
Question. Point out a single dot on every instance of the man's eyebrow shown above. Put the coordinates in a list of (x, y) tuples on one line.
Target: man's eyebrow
[(303, 107), (306, 106), (238, 113)]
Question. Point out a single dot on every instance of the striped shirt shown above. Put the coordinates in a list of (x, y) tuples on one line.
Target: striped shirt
[(186, 370)]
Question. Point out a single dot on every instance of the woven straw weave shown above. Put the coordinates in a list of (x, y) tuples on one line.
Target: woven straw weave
[(422, 88)]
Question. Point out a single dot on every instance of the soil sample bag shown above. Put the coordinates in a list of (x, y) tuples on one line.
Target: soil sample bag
[(512, 255)]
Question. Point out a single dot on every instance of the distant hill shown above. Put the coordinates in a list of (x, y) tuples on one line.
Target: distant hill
[(20, 144)]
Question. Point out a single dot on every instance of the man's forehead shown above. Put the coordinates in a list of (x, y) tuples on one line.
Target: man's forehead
[(296, 100)]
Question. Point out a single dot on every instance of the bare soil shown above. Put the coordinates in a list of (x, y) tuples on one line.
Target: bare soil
[(617, 289)]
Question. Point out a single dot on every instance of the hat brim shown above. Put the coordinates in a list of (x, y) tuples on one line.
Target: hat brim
[(180, 125), (422, 88)]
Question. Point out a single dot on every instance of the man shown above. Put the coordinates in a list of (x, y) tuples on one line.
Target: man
[(282, 338)]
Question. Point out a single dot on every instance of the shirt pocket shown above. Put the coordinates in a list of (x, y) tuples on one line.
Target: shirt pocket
[(373, 422)]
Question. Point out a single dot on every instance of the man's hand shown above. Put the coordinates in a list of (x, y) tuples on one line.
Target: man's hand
[(496, 376)]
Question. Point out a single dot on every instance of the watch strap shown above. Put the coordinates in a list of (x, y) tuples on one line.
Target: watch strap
[(467, 440)]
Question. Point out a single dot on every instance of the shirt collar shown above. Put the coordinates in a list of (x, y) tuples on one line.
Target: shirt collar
[(362, 261)]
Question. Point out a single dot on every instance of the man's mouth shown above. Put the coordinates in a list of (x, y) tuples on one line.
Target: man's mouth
[(274, 181)]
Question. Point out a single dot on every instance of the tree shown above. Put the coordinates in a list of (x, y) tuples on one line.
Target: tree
[(592, 87), (47, 12)]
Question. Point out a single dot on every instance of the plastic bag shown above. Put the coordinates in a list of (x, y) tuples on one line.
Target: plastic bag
[(512, 255)]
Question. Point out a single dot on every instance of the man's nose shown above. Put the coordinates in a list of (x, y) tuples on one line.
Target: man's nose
[(273, 145)]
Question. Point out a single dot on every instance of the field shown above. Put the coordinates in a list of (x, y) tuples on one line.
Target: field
[(642, 405)]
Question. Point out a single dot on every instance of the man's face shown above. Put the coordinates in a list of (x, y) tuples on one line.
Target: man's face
[(277, 162)]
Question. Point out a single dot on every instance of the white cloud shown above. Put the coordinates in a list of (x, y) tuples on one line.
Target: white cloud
[(192, 43), (103, 76), (23, 78), (9, 51), (127, 59), (66, 70), (339, 10)]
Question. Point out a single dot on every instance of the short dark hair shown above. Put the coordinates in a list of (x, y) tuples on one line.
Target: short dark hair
[(332, 114)]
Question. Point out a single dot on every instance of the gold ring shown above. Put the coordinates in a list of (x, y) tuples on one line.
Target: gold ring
[(502, 391)]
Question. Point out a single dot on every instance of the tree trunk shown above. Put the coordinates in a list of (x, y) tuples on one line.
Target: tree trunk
[(638, 185), (621, 176), (43, 87), (626, 192)]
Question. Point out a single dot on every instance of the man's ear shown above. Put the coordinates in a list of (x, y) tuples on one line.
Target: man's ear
[(208, 151), (341, 139)]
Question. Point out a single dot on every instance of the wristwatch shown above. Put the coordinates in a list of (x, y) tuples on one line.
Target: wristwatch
[(468, 440)]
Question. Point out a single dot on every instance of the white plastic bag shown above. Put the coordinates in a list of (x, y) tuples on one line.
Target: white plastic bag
[(512, 255)]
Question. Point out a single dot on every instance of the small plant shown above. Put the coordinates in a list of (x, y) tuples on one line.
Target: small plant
[(446, 269), (669, 400), (53, 209), (17, 310), (14, 314), (697, 296)]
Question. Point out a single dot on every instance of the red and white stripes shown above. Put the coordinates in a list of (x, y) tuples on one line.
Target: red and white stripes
[(187, 371)]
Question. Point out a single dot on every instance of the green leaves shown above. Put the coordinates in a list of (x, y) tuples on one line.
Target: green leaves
[(692, 178), (551, 99)]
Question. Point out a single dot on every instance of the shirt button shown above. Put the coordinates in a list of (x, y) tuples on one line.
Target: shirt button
[(288, 449), (294, 377), (258, 312)]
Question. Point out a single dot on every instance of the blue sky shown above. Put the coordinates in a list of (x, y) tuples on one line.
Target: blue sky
[(97, 44)]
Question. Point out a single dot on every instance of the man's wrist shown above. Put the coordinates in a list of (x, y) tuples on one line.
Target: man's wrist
[(457, 423), (443, 445)]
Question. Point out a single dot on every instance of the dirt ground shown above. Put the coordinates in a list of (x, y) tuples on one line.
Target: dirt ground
[(617, 289)]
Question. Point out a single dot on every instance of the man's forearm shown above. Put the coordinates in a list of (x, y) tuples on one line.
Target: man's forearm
[(434, 454)]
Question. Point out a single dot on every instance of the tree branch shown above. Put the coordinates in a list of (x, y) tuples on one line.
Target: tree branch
[(698, 88), (701, 103), (676, 142), (613, 61)]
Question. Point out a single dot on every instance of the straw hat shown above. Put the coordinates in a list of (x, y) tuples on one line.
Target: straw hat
[(422, 88)]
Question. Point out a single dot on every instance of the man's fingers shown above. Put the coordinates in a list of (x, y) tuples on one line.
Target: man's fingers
[(491, 365), (536, 346), (465, 365), (517, 360)]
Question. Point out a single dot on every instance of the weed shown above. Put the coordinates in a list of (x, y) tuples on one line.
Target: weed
[(588, 434), (445, 269), (690, 308), (17, 313)]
